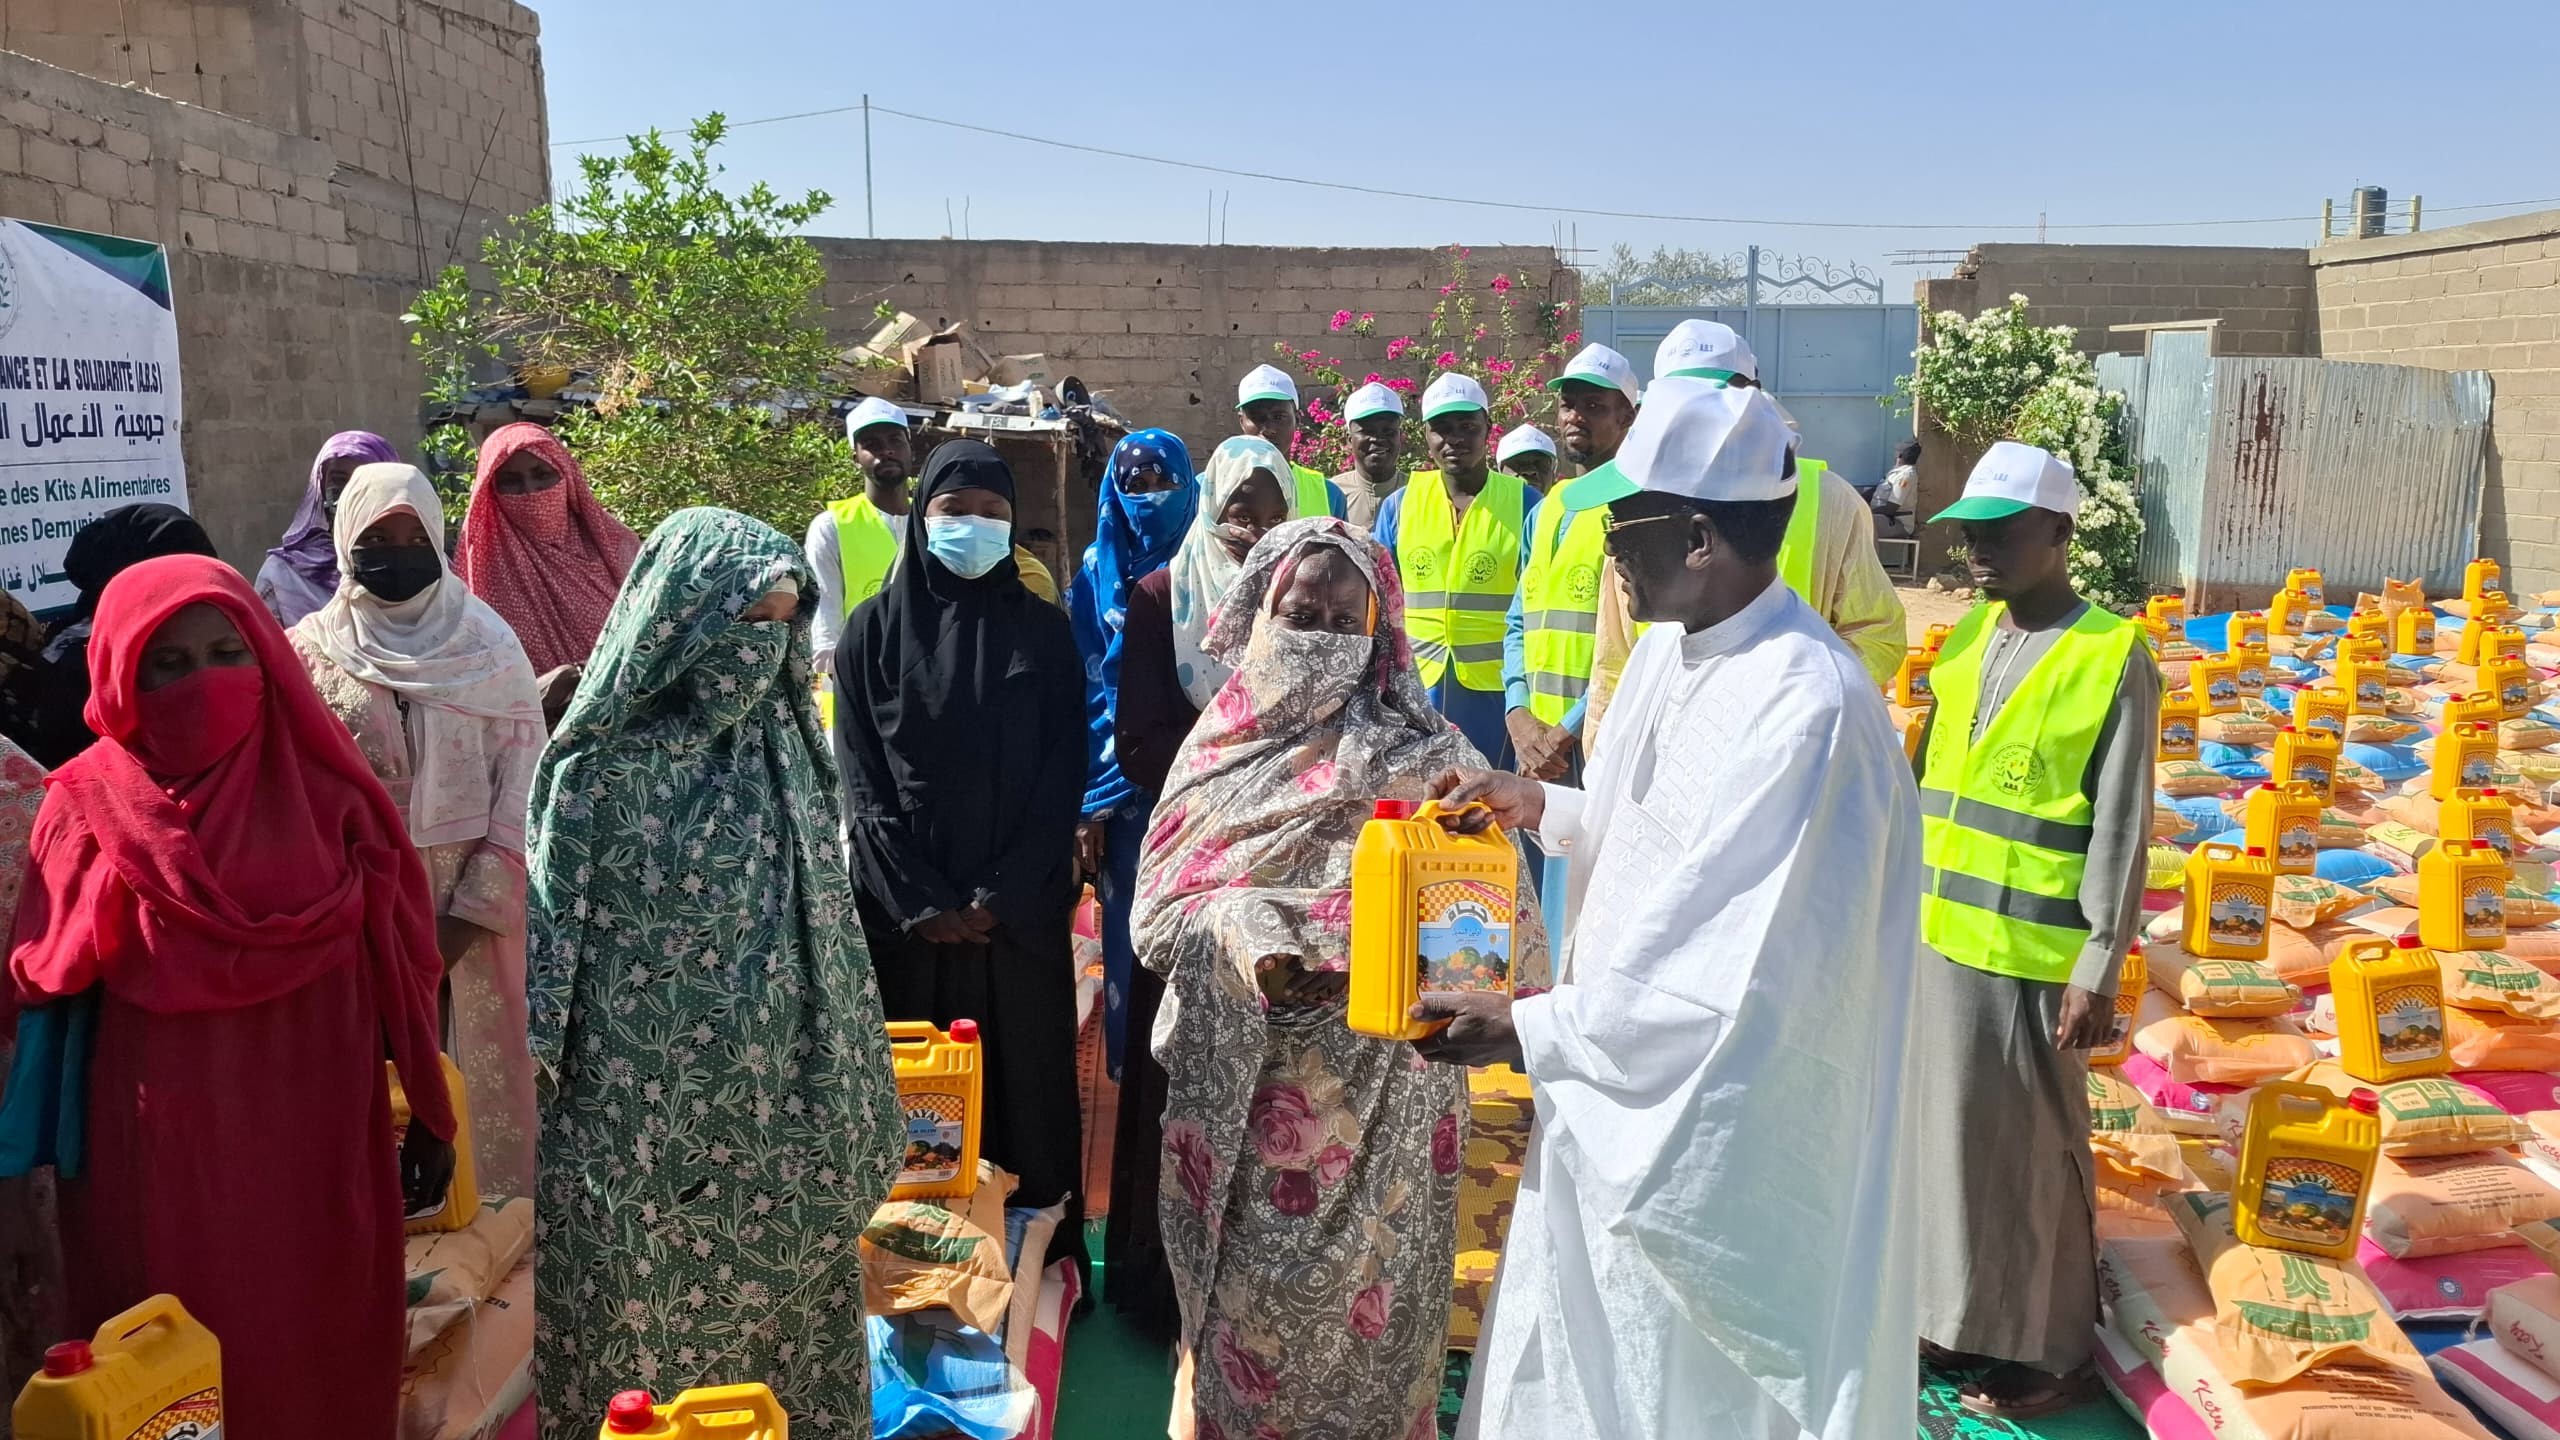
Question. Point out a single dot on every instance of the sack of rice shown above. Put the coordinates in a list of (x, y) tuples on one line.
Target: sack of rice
[(2116, 1108), (2446, 1204), (2277, 1313), (2242, 727), (2219, 987), (2430, 1116), (2188, 777), (2492, 980), (2488, 1040), (2302, 901), (2196, 1048), (2188, 1109), (2527, 734), (2166, 823), (2525, 1316), (2381, 729)]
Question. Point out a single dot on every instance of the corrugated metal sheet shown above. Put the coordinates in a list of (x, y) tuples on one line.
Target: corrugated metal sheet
[(2174, 401), (2366, 471)]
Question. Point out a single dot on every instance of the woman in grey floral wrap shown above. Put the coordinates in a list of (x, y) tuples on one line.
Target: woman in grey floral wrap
[(1310, 1174), (718, 1119)]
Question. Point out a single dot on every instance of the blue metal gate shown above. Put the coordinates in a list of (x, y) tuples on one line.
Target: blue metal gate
[(1829, 350)]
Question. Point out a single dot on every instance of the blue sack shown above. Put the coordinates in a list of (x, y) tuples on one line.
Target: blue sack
[(2394, 763), (2203, 813), (932, 1375), (2352, 868), (44, 1116), (2239, 762)]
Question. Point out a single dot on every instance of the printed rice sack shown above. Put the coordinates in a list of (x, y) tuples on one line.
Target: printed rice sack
[(2446, 1204), (916, 1255), (2277, 1313), (2188, 777), (2525, 1316), (2539, 947), (2444, 1287), (2187, 1109), (452, 1271), (2253, 724), (2526, 734), (2431, 1116), (2167, 823), (2518, 1092), (2402, 844), (2302, 901), (2542, 1237), (2494, 980), (2115, 1107), (2503, 1386), (2487, 1040), (2218, 987), (2381, 730), (2218, 1051), (469, 1378)]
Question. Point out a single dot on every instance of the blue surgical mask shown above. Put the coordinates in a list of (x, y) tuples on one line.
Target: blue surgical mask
[(968, 545)]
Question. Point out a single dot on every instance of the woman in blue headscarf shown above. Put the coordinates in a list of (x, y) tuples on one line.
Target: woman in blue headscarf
[(1148, 499)]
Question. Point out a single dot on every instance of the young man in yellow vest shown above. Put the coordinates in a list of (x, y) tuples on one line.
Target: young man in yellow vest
[(852, 543), (1375, 414), (2035, 802), (1547, 638), (1267, 406), (1460, 535)]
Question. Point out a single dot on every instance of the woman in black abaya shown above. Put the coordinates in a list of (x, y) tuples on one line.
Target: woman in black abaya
[(962, 741)]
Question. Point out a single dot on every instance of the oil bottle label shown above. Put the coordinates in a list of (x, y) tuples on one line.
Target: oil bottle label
[(2298, 843), (2309, 1202), (2479, 772), (2422, 636), (2328, 724), (2238, 915), (2514, 697), (2178, 738), (1920, 682), (2312, 593), (2223, 691), (194, 1417), (2497, 837), (2409, 1021), (2484, 911), (2252, 679), (2313, 770), (937, 1129), (2370, 694), (1463, 930)]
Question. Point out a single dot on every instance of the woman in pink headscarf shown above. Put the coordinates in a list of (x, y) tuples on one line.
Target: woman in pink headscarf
[(540, 548)]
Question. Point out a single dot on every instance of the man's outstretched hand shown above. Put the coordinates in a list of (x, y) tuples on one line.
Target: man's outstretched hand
[(1516, 803), (1478, 1033)]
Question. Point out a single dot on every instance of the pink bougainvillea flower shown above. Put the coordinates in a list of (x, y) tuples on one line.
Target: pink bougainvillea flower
[(1311, 356), (1573, 339), (1369, 379), (1401, 385), (1449, 288), (1501, 284), (1399, 345), (1498, 366), (1479, 335), (1446, 359), (1341, 319), (1368, 315)]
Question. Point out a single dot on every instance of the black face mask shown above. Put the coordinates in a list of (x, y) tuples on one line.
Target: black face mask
[(394, 573)]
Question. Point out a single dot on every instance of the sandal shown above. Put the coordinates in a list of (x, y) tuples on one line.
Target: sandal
[(2019, 1392)]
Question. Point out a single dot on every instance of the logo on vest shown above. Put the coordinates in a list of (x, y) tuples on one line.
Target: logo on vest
[(1480, 568), (1425, 564), (2017, 769), (1582, 584)]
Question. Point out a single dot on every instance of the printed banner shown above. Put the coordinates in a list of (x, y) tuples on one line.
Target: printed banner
[(88, 394)]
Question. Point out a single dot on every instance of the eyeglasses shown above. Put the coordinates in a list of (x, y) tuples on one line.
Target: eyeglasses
[(1609, 528)]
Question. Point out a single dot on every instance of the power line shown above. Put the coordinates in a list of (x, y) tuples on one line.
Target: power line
[(1428, 198)]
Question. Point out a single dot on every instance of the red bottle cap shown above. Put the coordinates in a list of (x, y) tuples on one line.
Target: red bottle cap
[(631, 1413), (1393, 810), (2264, 785), (2365, 1102), (71, 1357), (965, 1031), (2405, 942), (2287, 729), (2258, 852), (2489, 794)]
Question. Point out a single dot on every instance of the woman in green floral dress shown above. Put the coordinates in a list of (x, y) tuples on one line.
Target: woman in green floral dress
[(719, 1120)]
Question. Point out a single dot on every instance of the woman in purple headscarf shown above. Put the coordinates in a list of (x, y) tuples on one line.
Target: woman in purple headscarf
[(301, 573)]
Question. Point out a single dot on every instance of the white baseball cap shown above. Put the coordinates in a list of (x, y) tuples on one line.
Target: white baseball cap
[(1705, 350), (1698, 439), (873, 411), (1527, 437), (1599, 365), (1372, 399), (1452, 391), (2014, 476), (1266, 382)]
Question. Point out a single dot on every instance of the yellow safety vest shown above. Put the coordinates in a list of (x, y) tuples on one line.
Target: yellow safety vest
[(1459, 577), (1795, 552), (2004, 825), (1560, 600), (1314, 496)]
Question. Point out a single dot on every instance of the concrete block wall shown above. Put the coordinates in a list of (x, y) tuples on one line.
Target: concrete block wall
[(1167, 330), (293, 231), (2262, 295), (2475, 297)]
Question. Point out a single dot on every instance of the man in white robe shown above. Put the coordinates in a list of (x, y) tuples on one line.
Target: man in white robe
[(1711, 1233)]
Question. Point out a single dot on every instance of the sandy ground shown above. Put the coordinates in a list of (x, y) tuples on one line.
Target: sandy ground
[(1924, 607)]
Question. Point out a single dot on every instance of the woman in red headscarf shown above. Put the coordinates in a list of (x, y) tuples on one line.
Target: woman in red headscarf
[(224, 879), (540, 548)]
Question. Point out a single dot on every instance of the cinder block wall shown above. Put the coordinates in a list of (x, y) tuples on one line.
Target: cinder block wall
[(280, 179), (2475, 297), (2262, 295), (1167, 330)]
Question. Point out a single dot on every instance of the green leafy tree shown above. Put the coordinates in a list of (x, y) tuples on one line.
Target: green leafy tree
[(1669, 276), (695, 311)]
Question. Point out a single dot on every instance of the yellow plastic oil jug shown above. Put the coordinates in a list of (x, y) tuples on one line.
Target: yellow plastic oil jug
[(712, 1412), (2480, 817), (2169, 610), (2178, 715), (2465, 758), (2216, 679), (461, 1201), (2389, 996), (2286, 612), (2370, 625), (2306, 583), (1911, 682), (2248, 627), (2479, 630), (1431, 913), (1934, 639), (2510, 679), (2462, 897), (2414, 633), (2366, 684), (940, 1089), (2320, 708), (2130, 981), (150, 1372), (2370, 649), (2284, 821), (2306, 757), (2306, 1161), (2480, 581), (2254, 662), (2228, 894)]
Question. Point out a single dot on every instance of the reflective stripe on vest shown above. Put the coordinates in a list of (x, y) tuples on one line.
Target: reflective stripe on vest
[(1314, 496), (865, 549), (2005, 826), (1560, 601), (1459, 575), (1795, 553)]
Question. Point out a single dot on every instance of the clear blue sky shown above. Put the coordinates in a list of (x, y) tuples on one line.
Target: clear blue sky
[(1968, 113)]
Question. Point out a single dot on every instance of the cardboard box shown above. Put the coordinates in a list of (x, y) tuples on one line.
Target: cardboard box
[(941, 367)]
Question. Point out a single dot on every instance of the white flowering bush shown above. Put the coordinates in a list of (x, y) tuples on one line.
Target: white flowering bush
[(1996, 377)]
